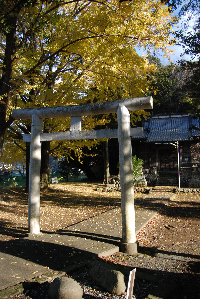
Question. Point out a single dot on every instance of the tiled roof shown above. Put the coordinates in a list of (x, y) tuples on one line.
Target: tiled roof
[(171, 128)]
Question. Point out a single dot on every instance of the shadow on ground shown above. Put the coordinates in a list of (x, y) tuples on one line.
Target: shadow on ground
[(189, 210), (47, 254)]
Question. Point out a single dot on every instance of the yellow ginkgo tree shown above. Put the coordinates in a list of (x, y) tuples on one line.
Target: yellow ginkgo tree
[(55, 53)]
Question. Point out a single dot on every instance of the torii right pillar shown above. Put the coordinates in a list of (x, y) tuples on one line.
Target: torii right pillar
[(128, 244)]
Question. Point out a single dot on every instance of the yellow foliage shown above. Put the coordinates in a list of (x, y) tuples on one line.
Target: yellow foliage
[(84, 51)]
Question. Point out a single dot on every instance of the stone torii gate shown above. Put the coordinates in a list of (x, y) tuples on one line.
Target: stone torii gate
[(123, 133)]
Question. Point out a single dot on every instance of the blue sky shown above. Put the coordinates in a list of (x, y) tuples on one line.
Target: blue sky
[(187, 22), (177, 55), (178, 52)]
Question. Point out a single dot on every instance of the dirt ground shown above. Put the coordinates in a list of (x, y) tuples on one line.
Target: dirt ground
[(78, 201), (169, 242), (176, 227)]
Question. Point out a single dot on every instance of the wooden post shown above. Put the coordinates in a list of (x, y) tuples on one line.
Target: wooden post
[(179, 174), (128, 244), (34, 176), (131, 284)]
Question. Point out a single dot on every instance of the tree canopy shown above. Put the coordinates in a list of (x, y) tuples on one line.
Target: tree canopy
[(60, 52), (175, 88)]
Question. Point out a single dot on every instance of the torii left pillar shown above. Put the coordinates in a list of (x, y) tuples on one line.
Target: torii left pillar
[(34, 176)]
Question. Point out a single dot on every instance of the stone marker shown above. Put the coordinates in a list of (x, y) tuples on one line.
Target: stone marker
[(65, 288), (109, 279)]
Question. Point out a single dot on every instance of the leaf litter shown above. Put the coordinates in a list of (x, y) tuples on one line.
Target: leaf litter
[(174, 231)]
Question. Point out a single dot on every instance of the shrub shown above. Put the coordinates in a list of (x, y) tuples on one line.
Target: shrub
[(137, 168)]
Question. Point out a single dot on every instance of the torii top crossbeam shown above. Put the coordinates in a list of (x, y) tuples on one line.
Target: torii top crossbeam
[(131, 104)]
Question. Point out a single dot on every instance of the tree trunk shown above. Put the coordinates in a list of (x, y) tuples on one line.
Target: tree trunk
[(6, 75), (27, 165), (2, 126), (44, 172), (10, 12), (106, 162)]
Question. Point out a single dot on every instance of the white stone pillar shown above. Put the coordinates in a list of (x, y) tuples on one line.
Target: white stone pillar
[(128, 244), (34, 176)]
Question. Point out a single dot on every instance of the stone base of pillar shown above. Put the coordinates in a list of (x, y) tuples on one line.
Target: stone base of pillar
[(34, 231), (34, 234), (129, 248)]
